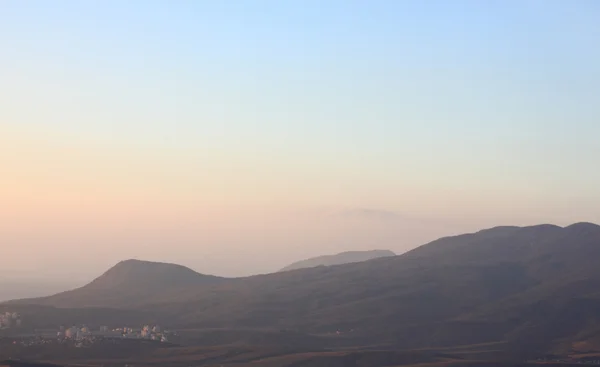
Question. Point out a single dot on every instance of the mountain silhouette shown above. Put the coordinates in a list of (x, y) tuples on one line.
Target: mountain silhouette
[(130, 283), (533, 288), (338, 259)]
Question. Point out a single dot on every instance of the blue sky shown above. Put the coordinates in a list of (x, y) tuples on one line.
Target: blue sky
[(484, 111)]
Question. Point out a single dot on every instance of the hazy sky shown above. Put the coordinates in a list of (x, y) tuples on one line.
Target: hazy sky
[(238, 136)]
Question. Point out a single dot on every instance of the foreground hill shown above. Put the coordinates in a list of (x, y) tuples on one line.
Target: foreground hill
[(533, 288), (339, 259), (130, 283)]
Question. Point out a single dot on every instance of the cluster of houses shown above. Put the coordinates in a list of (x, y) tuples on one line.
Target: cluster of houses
[(153, 333), (147, 332), (74, 333), (9, 320), (82, 333), (585, 360)]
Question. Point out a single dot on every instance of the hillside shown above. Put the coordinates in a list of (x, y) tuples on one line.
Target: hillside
[(30, 288), (535, 288), (339, 259), (128, 284)]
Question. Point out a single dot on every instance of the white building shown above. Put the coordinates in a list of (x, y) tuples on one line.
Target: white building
[(71, 332)]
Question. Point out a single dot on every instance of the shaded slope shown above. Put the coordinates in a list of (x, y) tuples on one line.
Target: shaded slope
[(128, 284), (338, 259), (536, 287), (47, 317), (505, 283)]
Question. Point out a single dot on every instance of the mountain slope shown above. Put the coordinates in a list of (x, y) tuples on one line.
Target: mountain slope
[(537, 288), (30, 288), (130, 283), (534, 287), (339, 259)]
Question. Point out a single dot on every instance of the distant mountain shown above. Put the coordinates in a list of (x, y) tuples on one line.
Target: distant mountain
[(130, 283), (338, 259), (137, 274)]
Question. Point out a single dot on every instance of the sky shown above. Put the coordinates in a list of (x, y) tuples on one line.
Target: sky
[(236, 137)]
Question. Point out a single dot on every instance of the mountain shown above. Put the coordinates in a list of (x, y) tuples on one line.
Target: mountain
[(130, 283), (338, 259), (534, 289)]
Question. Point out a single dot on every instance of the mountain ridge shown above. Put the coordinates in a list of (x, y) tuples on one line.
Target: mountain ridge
[(535, 287), (129, 283), (341, 258)]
